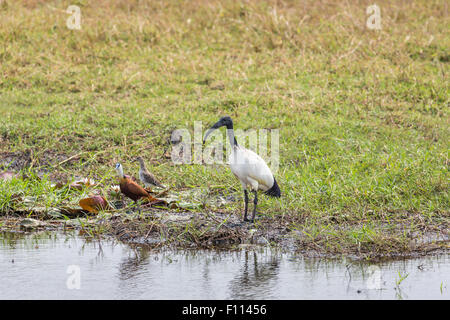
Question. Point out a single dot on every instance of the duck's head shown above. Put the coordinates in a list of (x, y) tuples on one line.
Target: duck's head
[(119, 170), (139, 159)]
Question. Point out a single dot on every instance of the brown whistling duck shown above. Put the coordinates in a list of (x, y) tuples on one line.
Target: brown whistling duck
[(131, 189)]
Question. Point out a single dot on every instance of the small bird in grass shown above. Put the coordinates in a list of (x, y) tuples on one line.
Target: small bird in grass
[(148, 179), (131, 189), (251, 170)]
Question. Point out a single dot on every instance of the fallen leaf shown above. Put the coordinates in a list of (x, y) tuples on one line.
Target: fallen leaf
[(8, 175), (94, 204), (80, 184)]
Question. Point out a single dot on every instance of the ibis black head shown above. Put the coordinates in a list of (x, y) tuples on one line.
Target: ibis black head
[(223, 122)]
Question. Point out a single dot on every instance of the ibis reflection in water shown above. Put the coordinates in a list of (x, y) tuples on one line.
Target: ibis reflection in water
[(251, 170)]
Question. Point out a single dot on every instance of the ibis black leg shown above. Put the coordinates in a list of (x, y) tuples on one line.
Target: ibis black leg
[(246, 204), (255, 202)]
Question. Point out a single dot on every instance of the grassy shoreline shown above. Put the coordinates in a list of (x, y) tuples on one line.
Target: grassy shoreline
[(362, 114)]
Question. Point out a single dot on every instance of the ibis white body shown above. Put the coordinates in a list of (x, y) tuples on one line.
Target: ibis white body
[(251, 170)]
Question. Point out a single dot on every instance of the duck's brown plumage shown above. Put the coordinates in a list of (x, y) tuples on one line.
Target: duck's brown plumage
[(134, 191)]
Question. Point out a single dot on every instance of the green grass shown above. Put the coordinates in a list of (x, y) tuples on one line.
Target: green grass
[(362, 114)]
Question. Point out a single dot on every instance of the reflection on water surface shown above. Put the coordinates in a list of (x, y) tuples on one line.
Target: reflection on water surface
[(39, 267)]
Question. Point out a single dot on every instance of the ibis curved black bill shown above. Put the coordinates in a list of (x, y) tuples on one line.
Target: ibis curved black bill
[(210, 130), (224, 121)]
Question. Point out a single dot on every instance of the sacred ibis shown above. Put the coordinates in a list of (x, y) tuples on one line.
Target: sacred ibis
[(251, 170)]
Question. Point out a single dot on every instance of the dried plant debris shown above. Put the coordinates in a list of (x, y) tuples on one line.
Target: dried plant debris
[(8, 175)]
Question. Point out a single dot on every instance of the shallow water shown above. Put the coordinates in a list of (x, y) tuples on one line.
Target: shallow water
[(63, 266)]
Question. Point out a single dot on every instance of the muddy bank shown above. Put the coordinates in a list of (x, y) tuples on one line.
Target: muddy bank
[(159, 228), (207, 217)]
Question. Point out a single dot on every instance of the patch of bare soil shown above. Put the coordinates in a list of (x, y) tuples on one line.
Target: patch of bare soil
[(16, 161), (201, 230)]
